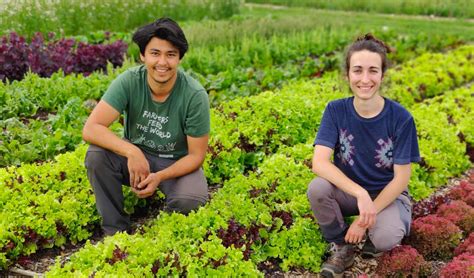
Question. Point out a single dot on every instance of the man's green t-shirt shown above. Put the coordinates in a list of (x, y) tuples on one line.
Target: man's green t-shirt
[(160, 127)]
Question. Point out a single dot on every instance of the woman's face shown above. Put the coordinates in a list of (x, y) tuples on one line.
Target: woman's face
[(365, 74)]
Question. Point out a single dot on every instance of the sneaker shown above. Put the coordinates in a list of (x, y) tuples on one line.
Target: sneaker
[(341, 258), (369, 251)]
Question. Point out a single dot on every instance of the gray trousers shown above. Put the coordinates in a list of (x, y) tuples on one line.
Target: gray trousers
[(108, 171), (330, 205)]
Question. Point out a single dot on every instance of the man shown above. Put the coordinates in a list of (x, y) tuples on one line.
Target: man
[(165, 134)]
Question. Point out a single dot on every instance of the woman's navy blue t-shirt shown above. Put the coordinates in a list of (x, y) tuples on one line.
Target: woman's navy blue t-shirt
[(366, 149)]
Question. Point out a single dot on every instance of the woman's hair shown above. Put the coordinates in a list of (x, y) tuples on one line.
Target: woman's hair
[(165, 29), (372, 44)]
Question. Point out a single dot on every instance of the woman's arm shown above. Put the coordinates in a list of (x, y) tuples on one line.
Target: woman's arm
[(323, 167), (395, 187)]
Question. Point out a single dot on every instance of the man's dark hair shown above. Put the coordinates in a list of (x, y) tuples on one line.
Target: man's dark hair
[(165, 29)]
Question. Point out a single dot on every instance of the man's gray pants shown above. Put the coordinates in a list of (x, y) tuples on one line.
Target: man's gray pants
[(108, 171), (330, 205)]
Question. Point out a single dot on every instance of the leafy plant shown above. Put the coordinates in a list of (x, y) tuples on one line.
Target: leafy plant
[(434, 237), (64, 54), (467, 246), (460, 266), (402, 261), (459, 213)]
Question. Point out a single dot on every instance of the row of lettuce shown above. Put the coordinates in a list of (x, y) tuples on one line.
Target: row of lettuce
[(40, 116), (261, 216), (46, 204)]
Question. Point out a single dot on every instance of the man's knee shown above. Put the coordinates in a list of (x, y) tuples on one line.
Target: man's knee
[(95, 158), (182, 205), (318, 189)]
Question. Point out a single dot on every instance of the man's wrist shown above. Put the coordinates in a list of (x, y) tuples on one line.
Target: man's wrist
[(131, 151)]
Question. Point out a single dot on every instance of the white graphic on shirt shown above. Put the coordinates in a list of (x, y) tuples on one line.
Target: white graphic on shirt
[(154, 126), (140, 140), (346, 149), (384, 153)]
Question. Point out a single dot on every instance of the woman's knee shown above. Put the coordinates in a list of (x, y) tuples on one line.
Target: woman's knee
[(384, 241), (319, 188)]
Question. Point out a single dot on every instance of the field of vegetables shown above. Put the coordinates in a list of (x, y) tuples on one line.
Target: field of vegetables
[(269, 71)]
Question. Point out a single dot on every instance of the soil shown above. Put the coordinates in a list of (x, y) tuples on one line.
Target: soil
[(38, 263)]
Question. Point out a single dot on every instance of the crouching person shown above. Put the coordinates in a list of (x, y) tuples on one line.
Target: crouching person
[(166, 127), (374, 142)]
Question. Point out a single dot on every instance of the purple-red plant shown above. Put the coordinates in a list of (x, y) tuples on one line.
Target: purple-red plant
[(459, 213), (429, 205), (13, 57), (467, 246), (402, 261), (46, 58), (464, 192), (460, 266), (434, 237), (238, 235)]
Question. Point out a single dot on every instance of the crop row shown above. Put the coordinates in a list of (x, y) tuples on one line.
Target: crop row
[(419, 7), (79, 17), (245, 132), (247, 67), (261, 216), (68, 55), (47, 123)]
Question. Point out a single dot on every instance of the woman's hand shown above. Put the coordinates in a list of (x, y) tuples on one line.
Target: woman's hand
[(355, 233), (367, 211)]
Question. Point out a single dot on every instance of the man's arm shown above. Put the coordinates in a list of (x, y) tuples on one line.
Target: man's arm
[(96, 131), (197, 148)]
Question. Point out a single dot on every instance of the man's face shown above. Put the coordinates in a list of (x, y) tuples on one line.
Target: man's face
[(161, 59)]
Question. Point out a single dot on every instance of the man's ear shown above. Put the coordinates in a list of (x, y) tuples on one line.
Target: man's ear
[(142, 58)]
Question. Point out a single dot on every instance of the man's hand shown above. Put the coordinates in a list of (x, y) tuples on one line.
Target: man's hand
[(138, 167), (355, 233), (367, 211), (147, 187)]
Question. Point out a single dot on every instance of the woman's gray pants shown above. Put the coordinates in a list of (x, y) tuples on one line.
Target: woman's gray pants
[(108, 171), (330, 205)]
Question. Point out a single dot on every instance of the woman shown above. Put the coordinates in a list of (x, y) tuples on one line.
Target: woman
[(374, 142)]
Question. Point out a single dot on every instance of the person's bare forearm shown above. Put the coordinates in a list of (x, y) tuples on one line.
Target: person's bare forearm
[(182, 166), (394, 188), (330, 172), (103, 137)]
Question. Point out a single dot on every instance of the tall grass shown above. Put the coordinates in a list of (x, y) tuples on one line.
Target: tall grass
[(77, 17), (446, 8)]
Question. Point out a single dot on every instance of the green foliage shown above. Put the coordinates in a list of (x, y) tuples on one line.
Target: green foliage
[(81, 17), (461, 8), (259, 125), (266, 136), (430, 74), (192, 243), (443, 155)]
